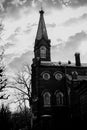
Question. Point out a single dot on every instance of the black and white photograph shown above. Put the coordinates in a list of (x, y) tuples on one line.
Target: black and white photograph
[(43, 64)]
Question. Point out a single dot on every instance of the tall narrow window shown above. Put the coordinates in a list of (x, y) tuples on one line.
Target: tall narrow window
[(46, 97), (59, 98), (43, 52)]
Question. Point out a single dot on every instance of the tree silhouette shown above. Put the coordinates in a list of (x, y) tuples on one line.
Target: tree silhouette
[(5, 118), (3, 79), (22, 83)]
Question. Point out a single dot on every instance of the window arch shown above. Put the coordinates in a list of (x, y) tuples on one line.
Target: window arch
[(43, 52), (59, 98), (47, 99), (74, 74)]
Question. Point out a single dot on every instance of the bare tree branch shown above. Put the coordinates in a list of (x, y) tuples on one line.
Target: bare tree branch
[(22, 83), (3, 79), (3, 97), (17, 89)]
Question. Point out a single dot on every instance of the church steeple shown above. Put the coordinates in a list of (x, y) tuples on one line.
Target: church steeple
[(41, 32), (42, 43)]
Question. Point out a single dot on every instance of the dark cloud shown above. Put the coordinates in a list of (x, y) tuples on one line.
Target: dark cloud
[(73, 44), (59, 3), (75, 20), (45, 3), (78, 3), (84, 16), (7, 3), (18, 62), (66, 52), (8, 45), (51, 25), (12, 37), (8, 57), (53, 3), (29, 27), (17, 30), (59, 53), (13, 11), (75, 41), (12, 8)]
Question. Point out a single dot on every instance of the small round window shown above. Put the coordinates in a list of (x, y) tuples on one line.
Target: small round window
[(46, 76), (58, 76)]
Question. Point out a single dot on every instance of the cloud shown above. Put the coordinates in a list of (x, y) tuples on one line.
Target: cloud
[(74, 3), (13, 8), (78, 3), (9, 3), (65, 50), (53, 3), (76, 20), (60, 3), (47, 4), (8, 58), (18, 2), (83, 49), (18, 62), (1, 5), (51, 25), (8, 45), (75, 41), (59, 53)]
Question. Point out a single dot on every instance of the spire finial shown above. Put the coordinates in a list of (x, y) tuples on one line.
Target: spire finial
[(41, 6), (41, 32), (41, 11)]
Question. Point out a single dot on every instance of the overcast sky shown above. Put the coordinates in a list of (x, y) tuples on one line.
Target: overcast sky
[(66, 27)]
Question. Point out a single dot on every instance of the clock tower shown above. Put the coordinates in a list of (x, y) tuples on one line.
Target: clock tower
[(49, 90), (42, 43)]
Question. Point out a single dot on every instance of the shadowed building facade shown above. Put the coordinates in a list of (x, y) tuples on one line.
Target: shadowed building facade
[(59, 92)]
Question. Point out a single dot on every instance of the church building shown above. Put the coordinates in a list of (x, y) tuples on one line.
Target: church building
[(59, 90)]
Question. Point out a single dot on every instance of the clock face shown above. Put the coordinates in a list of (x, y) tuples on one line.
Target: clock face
[(58, 76), (46, 76)]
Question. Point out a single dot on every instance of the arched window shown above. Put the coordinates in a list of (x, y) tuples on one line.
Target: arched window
[(59, 98), (46, 98), (43, 52), (74, 74)]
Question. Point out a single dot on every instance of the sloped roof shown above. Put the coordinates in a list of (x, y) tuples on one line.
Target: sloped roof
[(41, 32), (49, 63)]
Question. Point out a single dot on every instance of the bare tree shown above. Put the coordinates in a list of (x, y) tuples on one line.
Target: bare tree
[(3, 78), (22, 83)]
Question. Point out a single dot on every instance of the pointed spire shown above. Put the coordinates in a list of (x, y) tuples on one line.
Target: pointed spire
[(41, 32)]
